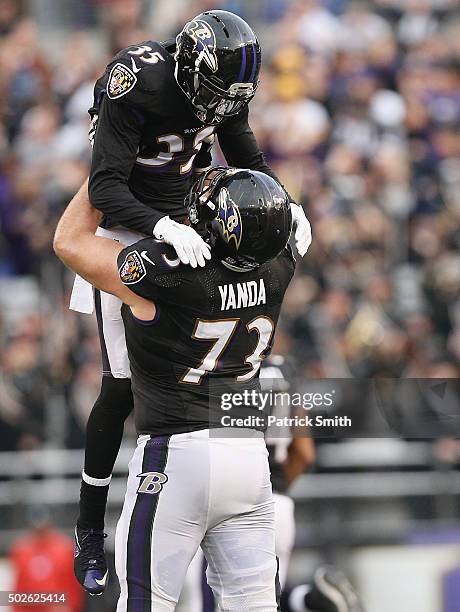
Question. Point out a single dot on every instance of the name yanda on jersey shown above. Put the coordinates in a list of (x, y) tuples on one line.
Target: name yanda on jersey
[(244, 295)]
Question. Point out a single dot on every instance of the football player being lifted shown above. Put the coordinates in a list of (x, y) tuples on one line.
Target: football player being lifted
[(193, 335), (154, 109)]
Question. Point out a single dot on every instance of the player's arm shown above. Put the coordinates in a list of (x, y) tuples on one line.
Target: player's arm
[(116, 143), (115, 148), (300, 457), (240, 148), (94, 257)]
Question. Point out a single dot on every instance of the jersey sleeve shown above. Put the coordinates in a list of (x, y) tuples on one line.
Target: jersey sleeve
[(116, 141), (239, 145), (142, 264)]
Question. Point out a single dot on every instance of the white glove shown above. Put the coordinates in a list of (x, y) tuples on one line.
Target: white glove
[(302, 228), (189, 246)]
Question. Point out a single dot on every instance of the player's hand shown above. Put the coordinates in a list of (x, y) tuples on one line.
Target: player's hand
[(302, 227), (190, 247)]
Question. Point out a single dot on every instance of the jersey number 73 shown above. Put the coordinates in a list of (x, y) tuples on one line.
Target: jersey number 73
[(221, 332)]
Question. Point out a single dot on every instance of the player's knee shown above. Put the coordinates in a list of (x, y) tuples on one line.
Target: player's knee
[(115, 399), (260, 588)]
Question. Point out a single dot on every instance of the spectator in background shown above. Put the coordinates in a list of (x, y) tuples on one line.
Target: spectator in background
[(10, 11), (42, 561)]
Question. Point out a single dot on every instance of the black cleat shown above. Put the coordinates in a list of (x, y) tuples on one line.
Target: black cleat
[(90, 566), (331, 591)]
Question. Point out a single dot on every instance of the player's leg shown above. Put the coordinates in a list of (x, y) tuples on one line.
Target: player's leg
[(239, 545), (105, 425), (162, 522), (199, 594), (104, 433), (242, 566)]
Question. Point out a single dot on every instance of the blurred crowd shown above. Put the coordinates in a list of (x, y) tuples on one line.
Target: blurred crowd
[(358, 112)]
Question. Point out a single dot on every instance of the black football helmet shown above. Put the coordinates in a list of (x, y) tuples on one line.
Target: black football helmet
[(245, 214), (217, 64)]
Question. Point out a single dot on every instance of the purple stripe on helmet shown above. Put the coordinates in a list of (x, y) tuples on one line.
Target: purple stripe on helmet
[(244, 59), (140, 529), (254, 65), (243, 66)]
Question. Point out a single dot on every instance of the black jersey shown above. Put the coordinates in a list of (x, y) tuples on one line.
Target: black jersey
[(146, 138), (212, 328)]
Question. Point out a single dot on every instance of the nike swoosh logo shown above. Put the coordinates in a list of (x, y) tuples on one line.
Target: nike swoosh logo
[(135, 68), (103, 580), (147, 258)]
